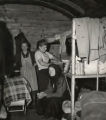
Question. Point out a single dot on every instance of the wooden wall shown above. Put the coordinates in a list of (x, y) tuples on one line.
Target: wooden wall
[(35, 21)]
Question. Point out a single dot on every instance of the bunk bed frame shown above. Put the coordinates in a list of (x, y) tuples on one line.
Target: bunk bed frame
[(73, 76)]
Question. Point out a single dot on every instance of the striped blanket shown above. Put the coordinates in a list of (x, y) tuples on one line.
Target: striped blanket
[(16, 89)]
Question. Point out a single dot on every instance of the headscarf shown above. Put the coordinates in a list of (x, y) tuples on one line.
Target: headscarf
[(54, 79)]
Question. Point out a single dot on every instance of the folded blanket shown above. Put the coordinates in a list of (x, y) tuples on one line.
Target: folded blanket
[(16, 89)]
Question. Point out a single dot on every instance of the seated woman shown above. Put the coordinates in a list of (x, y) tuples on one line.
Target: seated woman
[(50, 100)]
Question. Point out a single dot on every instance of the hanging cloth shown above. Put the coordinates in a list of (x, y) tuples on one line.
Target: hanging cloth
[(102, 40), (93, 30), (62, 50), (81, 28)]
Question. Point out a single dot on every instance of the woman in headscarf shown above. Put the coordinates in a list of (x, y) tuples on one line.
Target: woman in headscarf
[(51, 99)]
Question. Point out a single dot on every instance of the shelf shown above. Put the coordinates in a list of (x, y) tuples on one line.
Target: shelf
[(86, 76), (73, 76)]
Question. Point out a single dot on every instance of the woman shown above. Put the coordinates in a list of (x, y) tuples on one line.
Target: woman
[(42, 58), (51, 99), (25, 63)]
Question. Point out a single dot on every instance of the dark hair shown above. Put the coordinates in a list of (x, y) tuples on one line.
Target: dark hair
[(54, 79), (41, 43), (57, 69)]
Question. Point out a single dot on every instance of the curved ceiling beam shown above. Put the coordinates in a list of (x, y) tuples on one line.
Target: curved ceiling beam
[(68, 5), (74, 6), (57, 5)]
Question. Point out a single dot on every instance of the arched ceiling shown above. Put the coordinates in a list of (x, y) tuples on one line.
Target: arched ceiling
[(70, 8)]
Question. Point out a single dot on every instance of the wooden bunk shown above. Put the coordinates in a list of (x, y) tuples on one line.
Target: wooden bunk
[(73, 76)]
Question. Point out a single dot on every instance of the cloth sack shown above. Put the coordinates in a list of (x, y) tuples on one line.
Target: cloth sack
[(91, 68), (66, 106), (93, 106)]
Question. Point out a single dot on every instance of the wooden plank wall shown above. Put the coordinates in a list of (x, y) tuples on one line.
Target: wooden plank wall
[(34, 21)]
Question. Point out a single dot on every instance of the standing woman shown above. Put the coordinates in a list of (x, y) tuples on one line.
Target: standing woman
[(42, 58), (25, 63)]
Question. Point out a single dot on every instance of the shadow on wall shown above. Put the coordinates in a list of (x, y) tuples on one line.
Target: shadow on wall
[(6, 50)]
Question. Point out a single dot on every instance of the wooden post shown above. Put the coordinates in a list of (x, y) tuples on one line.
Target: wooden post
[(73, 70)]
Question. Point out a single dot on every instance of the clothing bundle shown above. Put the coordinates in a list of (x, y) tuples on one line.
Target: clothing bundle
[(90, 34), (93, 106), (91, 38)]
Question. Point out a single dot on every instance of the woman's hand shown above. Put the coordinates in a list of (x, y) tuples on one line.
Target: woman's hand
[(41, 95)]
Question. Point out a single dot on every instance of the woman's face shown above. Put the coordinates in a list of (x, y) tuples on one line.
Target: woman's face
[(52, 71), (43, 48), (24, 47)]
